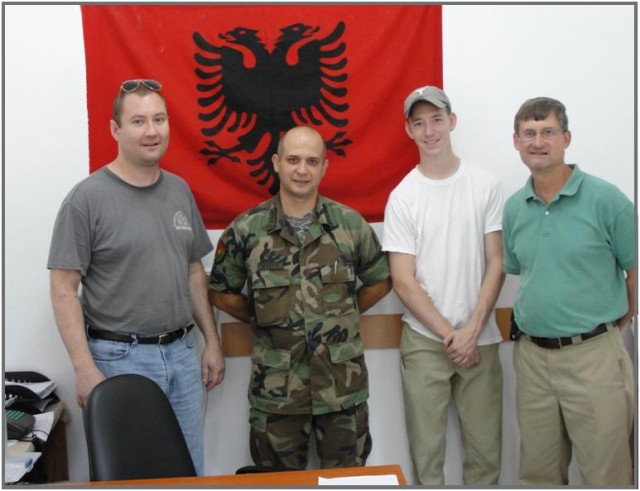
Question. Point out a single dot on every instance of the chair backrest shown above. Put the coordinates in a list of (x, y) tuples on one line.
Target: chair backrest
[(133, 433)]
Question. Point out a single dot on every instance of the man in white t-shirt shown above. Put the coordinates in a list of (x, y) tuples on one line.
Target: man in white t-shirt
[(442, 230)]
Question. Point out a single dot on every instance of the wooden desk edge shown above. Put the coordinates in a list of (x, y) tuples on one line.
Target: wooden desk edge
[(290, 478)]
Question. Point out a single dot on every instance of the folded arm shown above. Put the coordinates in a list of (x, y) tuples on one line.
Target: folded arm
[(236, 305), (369, 295)]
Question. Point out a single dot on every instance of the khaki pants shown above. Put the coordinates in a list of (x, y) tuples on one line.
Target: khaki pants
[(429, 379), (580, 396)]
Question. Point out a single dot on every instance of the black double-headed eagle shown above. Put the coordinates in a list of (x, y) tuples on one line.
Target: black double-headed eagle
[(256, 93)]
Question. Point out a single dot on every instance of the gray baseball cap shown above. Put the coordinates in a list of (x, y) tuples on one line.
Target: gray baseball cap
[(428, 93)]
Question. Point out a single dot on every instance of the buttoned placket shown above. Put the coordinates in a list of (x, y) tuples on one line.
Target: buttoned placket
[(546, 224)]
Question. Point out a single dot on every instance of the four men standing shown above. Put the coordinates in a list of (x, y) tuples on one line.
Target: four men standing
[(132, 236)]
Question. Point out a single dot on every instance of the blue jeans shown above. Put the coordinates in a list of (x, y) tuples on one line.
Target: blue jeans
[(175, 368)]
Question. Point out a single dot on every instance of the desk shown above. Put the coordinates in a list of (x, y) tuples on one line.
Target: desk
[(290, 478), (52, 466)]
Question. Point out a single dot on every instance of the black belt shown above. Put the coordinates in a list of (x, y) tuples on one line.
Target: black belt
[(557, 343), (165, 338)]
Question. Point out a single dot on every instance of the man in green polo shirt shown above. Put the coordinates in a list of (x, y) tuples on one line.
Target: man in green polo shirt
[(570, 238)]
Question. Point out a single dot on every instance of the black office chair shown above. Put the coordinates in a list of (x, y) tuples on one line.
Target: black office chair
[(133, 433)]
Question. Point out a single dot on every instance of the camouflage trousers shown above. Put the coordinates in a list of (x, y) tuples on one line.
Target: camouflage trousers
[(282, 440)]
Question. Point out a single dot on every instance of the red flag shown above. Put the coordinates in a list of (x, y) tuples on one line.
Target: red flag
[(236, 77)]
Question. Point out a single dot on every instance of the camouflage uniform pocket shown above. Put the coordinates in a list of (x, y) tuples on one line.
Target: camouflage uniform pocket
[(349, 369), (338, 289), (271, 296), (270, 373)]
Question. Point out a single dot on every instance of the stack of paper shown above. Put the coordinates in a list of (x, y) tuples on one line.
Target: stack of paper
[(16, 465), (39, 389), (381, 480)]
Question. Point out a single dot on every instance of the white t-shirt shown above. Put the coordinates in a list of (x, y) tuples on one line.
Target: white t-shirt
[(443, 223)]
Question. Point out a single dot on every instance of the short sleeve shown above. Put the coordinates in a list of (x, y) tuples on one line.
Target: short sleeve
[(71, 240), (398, 233), (495, 208), (510, 263), (373, 262), (201, 242), (229, 272), (623, 236)]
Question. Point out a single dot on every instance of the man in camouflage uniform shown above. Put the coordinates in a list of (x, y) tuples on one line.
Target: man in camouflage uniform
[(300, 254)]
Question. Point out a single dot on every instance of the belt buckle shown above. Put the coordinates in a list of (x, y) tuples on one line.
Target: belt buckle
[(162, 336)]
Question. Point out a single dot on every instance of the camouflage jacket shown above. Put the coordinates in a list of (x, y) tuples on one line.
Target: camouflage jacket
[(307, 350)]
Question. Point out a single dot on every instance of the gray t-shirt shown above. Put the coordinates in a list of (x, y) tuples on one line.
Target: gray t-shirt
[(133, 246)]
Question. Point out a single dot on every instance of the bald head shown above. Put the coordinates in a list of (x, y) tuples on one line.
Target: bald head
[(301, 165), (304, 132)]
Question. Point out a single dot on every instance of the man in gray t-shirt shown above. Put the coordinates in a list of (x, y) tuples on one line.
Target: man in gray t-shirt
[(132, 236)]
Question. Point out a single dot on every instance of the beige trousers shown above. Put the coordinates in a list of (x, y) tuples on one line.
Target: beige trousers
[(429, 379), (576, 398)]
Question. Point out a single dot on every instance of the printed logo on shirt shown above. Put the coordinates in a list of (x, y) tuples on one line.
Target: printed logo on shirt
[(181, 222)]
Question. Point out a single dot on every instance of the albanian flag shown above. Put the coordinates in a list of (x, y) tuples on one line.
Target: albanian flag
[(236, 77)]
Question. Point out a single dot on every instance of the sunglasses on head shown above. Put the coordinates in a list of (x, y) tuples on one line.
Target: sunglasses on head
[(131, 85)]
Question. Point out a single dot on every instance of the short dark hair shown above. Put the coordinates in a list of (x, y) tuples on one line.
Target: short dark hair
[(118, 102), (538, 109)]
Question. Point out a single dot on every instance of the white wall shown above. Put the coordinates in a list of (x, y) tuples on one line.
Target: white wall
[(495, 56)]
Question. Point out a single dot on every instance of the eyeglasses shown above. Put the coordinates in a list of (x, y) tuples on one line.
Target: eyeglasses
[(132, 85), (547, 134)]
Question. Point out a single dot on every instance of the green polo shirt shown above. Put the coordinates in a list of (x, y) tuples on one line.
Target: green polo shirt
[(570, 254)]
